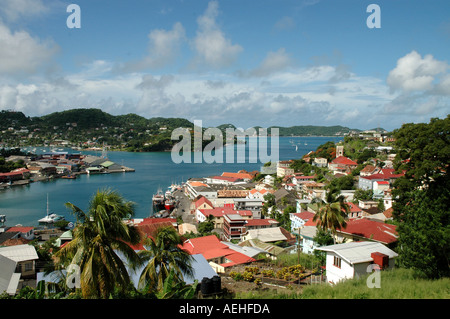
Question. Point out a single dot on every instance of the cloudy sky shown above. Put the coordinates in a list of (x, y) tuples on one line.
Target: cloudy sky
[(246, 62)]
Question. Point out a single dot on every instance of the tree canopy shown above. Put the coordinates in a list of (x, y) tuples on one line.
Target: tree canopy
[(422, 196)]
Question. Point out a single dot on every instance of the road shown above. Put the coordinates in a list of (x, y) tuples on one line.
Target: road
[(183, 208)]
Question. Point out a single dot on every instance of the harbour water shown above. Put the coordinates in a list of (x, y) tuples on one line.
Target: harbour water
[(26, 204)]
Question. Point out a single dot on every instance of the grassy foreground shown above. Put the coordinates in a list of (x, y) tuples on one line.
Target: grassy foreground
[(395, 284)]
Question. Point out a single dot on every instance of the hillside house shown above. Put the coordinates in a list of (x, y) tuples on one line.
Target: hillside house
[(218, 213), (9, 279), (342, 164), (25, 256), (320, 162), (253, 205), (234, 227), (270, 235), (298, 220), (364, 229), (219, 255), (351, 260), (203, 203), (26, 232)]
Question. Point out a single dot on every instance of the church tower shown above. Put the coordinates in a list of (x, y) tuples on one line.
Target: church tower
[(339, 150)]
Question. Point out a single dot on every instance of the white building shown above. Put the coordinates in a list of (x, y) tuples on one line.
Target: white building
[(350, 260), (9, 279), (320, 162), (269, 180), (298, 220), (307, 234)]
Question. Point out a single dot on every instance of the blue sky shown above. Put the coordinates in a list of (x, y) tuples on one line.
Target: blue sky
[(246, 62)]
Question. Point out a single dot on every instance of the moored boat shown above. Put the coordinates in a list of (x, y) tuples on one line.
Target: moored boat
[(69, 176), (50, 218), (158, 199), (169, 204)]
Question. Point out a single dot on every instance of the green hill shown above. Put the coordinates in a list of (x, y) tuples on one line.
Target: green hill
[(84, 118), (313, 130), (13, 119)]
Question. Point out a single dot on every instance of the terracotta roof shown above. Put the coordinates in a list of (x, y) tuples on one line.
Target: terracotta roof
[(311, 222), (203, 200), (15, 241), (237, 175), (370, 229), (22, 229), (305, 215), (211, 247), (353, 207), (197, 183), (368, 169), (148, 227), (343, 160), (237, 259), (305, 177), (226, 178)]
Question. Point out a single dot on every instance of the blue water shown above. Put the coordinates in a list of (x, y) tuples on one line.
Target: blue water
[(26, 204)]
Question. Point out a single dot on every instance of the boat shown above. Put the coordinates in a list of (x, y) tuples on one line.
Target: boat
[(50, 218), (158, 199), (161, 214), (169, 204), (2, 219), (69, 176)]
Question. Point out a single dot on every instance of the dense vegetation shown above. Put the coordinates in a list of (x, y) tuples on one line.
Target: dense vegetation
[(422, 205)]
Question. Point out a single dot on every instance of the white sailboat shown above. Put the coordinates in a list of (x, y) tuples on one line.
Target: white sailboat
[(50, 218)]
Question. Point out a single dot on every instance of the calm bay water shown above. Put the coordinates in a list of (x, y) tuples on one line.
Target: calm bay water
[(26, 204)]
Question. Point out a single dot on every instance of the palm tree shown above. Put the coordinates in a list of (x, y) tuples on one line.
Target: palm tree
[(332, 213), (98, 235), (164, 255)]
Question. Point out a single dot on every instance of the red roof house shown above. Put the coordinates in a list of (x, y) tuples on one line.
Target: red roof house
[(203, 203), (366, 229), (344, 161), (215, 251), (342, 164)]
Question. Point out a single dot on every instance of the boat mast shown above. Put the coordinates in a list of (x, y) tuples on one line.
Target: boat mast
[(47, 204)]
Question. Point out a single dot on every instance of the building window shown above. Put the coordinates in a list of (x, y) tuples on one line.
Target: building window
[(337, 262), (29, 266)]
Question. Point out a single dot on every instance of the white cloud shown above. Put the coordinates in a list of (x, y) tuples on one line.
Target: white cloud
[(20, 53), (414, 73), (273, 63), (443, 87), (212, 46), (423, 84), (13, 10), (164, 46)]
